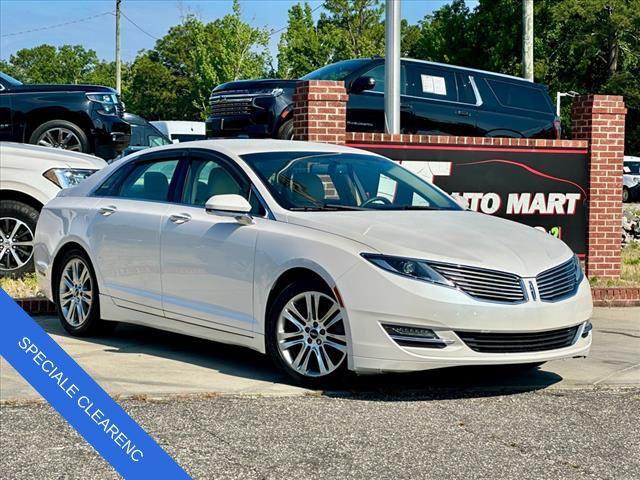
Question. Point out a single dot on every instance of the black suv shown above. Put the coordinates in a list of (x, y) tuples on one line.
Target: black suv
[(436, 99), (82, 118)]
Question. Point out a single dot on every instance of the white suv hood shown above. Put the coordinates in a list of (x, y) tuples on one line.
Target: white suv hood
[(463, 237)]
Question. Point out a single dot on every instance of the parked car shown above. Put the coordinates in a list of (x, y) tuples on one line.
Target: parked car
[(80, 118), (30, 176), (301, 250), (631, 179), (436, 99), (143, 134), (181, 130)]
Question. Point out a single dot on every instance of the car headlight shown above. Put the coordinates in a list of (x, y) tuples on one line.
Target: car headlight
[(108, 102), (67, 177), (268, 91), (579, 274), (407, 267)]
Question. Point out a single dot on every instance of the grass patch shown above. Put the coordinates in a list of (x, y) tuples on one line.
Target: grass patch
[(630, 275), (24, 287)]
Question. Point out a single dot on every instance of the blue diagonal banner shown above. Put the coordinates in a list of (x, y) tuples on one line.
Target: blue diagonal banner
[(79, 399)]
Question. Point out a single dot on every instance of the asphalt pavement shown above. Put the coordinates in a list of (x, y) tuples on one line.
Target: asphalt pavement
[(225, 412)]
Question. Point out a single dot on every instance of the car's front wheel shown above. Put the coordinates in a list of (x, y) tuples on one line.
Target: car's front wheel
[(60, 134), (625, 194), (306, 334), (17, 226), (76, 295)]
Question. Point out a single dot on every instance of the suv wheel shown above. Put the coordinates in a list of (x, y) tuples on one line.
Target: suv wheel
[(17, 226), (306, 334), (60, 134), (285, 132), (625, 194)]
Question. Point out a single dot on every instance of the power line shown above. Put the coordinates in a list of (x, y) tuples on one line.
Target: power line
[(138, 26), (58, 25), (273, 32)]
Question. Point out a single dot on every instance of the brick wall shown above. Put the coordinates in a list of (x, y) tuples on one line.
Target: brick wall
[(320, 111), (598, 124), (599, 120)]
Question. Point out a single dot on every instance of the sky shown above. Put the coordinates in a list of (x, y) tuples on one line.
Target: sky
[(153, 17)]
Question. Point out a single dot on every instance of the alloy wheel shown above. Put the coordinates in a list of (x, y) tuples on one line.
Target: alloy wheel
[(311, 334), (16, 244), (75, 292), (60, 137)]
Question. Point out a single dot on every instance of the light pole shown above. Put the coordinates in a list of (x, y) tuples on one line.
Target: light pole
[(392, 67), (559, 96), (118, 63), (527, 39)]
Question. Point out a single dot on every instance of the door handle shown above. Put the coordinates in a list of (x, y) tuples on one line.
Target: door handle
[(462, 113), (108, 210), (180, 218)]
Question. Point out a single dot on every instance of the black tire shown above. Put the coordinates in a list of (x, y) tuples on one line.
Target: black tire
[(285, 132), (54, 125), (625, 194), (93, 325), (337, 376), (11, 212)]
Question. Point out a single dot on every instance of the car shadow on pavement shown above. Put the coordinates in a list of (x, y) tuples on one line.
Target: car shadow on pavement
[(447, 383)]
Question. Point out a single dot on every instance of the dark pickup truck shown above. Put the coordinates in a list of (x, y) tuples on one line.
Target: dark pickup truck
[(82, 118), (436, 99)]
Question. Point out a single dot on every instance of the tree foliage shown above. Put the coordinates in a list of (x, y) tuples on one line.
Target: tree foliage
[(581, 45)]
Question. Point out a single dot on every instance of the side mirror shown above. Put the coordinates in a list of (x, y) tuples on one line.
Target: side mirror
[(363, 83), (235, 206)]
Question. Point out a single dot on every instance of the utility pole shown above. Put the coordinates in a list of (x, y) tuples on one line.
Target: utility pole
[(118, 66), (527, 39), (392, 67)]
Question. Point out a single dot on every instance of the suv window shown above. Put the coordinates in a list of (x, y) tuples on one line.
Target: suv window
[(144, 181), (520, 96), (429, 82), (207, 177), (465, 90), (377, 73)]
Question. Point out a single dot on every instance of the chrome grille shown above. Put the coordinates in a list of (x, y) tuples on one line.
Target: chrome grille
[(228, 107), (519, 342), (484, 284), (557, 282)]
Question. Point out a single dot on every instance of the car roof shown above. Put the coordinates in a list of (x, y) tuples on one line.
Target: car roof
[(244, 146)]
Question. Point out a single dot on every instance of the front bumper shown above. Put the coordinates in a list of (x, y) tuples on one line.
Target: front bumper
[(111, 135), (390, 299)]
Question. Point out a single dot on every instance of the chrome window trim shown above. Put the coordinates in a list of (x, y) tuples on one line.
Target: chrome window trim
[(455, 67), (475, 91)]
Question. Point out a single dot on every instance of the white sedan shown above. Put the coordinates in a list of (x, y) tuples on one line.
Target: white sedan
[(326, 258)]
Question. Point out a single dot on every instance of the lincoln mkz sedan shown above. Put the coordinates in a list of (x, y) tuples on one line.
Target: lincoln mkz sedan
[(324, 257)]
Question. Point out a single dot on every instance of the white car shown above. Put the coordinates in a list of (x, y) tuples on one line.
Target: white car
[(181, 130), (305, 251), (29, 177), (631, 179)]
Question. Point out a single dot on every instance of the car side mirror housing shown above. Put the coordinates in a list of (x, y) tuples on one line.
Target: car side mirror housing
[(232, 205), (363, 83)]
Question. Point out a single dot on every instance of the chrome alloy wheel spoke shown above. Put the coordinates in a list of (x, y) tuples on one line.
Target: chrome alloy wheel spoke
[(75, 292), (16, 244), (311, 334)]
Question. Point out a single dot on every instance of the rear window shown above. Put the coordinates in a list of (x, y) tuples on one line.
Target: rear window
[(520, 96)]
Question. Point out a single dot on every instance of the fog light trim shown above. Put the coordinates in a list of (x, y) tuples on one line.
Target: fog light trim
[(409, 336)]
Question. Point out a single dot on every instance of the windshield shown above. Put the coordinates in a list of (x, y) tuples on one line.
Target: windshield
[(344, 181), (147, 136), (633, 167), (336, 71), (9, 80)]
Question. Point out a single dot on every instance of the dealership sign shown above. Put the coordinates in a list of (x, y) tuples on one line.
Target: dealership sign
[(543, 188)]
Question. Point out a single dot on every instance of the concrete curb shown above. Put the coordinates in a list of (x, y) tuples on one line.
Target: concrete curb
[(36, 306)]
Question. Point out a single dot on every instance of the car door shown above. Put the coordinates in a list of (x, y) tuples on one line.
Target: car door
[(365, 110), (6, 128), (207, 261), (434, 98), (125, 230)]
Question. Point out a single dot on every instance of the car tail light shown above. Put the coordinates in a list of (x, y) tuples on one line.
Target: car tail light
[(557, 128)]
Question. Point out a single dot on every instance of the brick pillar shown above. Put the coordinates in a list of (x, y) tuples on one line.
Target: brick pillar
[(599, 119), (320, 111)]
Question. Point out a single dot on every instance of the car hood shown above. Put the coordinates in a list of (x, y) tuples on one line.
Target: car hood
[(461, 237), (248, 85), (61, 88)]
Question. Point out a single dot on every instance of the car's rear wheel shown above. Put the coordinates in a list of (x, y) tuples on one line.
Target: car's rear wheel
[(17, 227), (60, 134), (76, 295), (306, 334)]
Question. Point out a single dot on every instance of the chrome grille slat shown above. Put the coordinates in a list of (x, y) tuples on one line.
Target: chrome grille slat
[(231, 106), (558, 282), (483, 284)]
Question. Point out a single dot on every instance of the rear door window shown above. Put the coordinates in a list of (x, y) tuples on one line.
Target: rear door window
[(377, 73), (431, 82), (520, 96)]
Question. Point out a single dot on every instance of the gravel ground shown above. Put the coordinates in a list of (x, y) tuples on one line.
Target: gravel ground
[(574, 434)]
